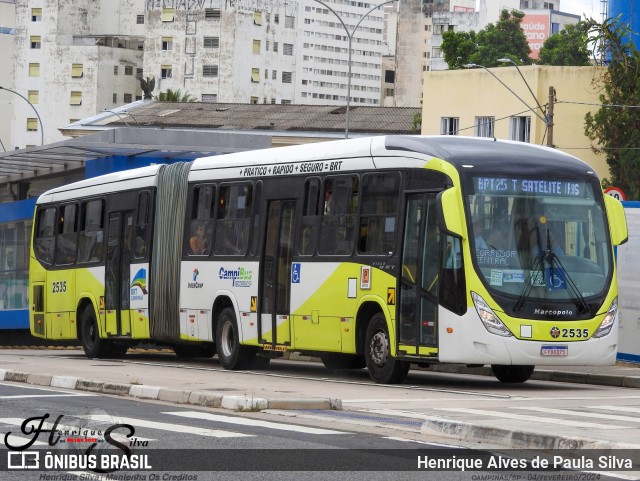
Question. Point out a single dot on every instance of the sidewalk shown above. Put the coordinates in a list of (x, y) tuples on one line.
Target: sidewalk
[(209, 385)]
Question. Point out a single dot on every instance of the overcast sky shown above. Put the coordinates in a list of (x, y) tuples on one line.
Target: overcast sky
[(591, 8)]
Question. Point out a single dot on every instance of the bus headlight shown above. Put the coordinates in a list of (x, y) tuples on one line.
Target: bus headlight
[(491, 321), (607, 322)]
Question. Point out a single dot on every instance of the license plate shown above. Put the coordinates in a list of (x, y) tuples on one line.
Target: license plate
[(554, 351)]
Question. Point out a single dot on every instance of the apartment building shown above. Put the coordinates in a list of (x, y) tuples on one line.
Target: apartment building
[(72, 59), (7, 99)]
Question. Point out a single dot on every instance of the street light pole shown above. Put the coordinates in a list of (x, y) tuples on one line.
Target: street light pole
[(34, 109), (547, 120), (549, 113), (350, 35)]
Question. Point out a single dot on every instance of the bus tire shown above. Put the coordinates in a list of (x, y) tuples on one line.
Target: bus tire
[(338, 360), (382, 367), (92, 345), (231, 354), (512, 374)]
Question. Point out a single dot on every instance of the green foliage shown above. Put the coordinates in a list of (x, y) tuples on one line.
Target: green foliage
[(416, 123), (569, 47), (504, 39), (615, 131), (457, 48), (175, 96)]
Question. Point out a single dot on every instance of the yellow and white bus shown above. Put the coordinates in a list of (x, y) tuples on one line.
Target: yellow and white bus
[(359, 251)]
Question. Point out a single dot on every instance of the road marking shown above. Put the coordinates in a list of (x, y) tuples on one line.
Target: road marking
[(29, 396), (175, 428), (625, 409), (603, 416), (252, 422), (405, 440), (535, 419), (397, 413)]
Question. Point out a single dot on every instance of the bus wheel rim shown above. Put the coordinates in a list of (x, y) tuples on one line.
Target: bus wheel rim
[(227, 339), (379, 348)]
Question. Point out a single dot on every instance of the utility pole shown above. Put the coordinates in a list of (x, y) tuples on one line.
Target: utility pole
[(549, 116)]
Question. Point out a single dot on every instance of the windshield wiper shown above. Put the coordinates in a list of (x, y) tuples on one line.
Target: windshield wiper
[(536, 268)]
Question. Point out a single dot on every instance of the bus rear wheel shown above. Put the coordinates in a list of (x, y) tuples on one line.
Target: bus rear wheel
[(92, 345), (512, 374), (231, 354), (383, 368)]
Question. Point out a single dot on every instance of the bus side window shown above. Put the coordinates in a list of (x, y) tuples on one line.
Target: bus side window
[(91, 243), (452, 291), (309, 227), (141, 241), (45, 235), (378, 213), (339, 214), (233, 220), (201, 224), (67, 242)]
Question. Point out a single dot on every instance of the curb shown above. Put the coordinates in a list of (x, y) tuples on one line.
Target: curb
[(178, 396), (514, 439)]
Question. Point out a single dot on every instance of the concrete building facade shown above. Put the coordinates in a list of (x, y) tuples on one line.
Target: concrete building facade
[(490, 110), (7, 80)]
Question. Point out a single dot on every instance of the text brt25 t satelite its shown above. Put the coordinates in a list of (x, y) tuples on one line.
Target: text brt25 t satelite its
[(372, 252)]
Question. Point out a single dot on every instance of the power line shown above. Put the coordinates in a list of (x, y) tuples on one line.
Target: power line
[(598, 105)]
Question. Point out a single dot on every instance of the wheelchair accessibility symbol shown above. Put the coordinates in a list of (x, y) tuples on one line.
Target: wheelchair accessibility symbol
[(295, 273)]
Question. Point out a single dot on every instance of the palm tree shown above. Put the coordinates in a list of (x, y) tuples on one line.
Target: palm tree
[(175, 96)]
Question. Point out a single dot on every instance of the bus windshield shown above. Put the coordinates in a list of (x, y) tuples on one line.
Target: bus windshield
[(539, 238)]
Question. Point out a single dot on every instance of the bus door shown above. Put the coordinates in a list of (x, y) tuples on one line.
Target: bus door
[(274, 326), (117, 273), (418, 307)]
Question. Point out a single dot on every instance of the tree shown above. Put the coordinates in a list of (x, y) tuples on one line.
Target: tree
[(175, 96), (504, 39), (569, 47), (614, 129)]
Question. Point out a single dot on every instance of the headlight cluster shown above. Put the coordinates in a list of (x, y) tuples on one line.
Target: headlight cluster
[(491, 321), (607, 322)]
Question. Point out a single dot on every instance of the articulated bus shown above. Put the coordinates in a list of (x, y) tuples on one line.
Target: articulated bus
[(376, 252)]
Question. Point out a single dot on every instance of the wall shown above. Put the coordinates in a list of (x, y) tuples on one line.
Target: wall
[(447, 94)]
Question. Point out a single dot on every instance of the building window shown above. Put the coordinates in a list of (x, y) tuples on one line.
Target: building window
[(555, 28), (32, 124), (115, 98), (33, 96), (274, 75), (168, 14), (289, 21), (449, 125), (36, 41), (484, 126), (287, 49), (275, 46), (255, 75), (140, 19), (436, 52), (167, 43), (34, 70), (438, 29), (165, 71), (211, 98), (128, 98), (257, 18), (36, 15), (285, 102), (548, 5), (273, 101), (139, 72), (212, 13), (286, 77), (276, 18), (390, 93), (256, 47), (76, 98), (77, 70), (389, 76), (520, 128), (254, 100), (212, 42), (209, 70), (115, 70), (128, 70)]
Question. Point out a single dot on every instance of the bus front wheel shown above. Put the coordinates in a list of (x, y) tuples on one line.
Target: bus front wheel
[(383, 368), (231, 354), (512, 374)]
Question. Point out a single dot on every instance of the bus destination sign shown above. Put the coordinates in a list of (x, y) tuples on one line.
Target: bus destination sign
[(515, 186)]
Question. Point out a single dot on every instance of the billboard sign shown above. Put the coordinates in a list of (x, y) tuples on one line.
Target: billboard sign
[(536, 28)]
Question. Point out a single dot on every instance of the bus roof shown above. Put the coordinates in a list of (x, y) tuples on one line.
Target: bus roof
[(113, 182)]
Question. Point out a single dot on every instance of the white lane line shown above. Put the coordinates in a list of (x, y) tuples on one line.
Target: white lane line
[(175, 428), (534, 419), (29, 396), (568, 412), (404, 440), (252, 422), (624, 409)]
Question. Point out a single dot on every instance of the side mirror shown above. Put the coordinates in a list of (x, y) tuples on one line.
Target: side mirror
[(617, 220), (450, 213)]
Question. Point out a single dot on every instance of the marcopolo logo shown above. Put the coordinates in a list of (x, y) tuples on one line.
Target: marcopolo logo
[(195, 284), (240, 277), (553, 312)]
